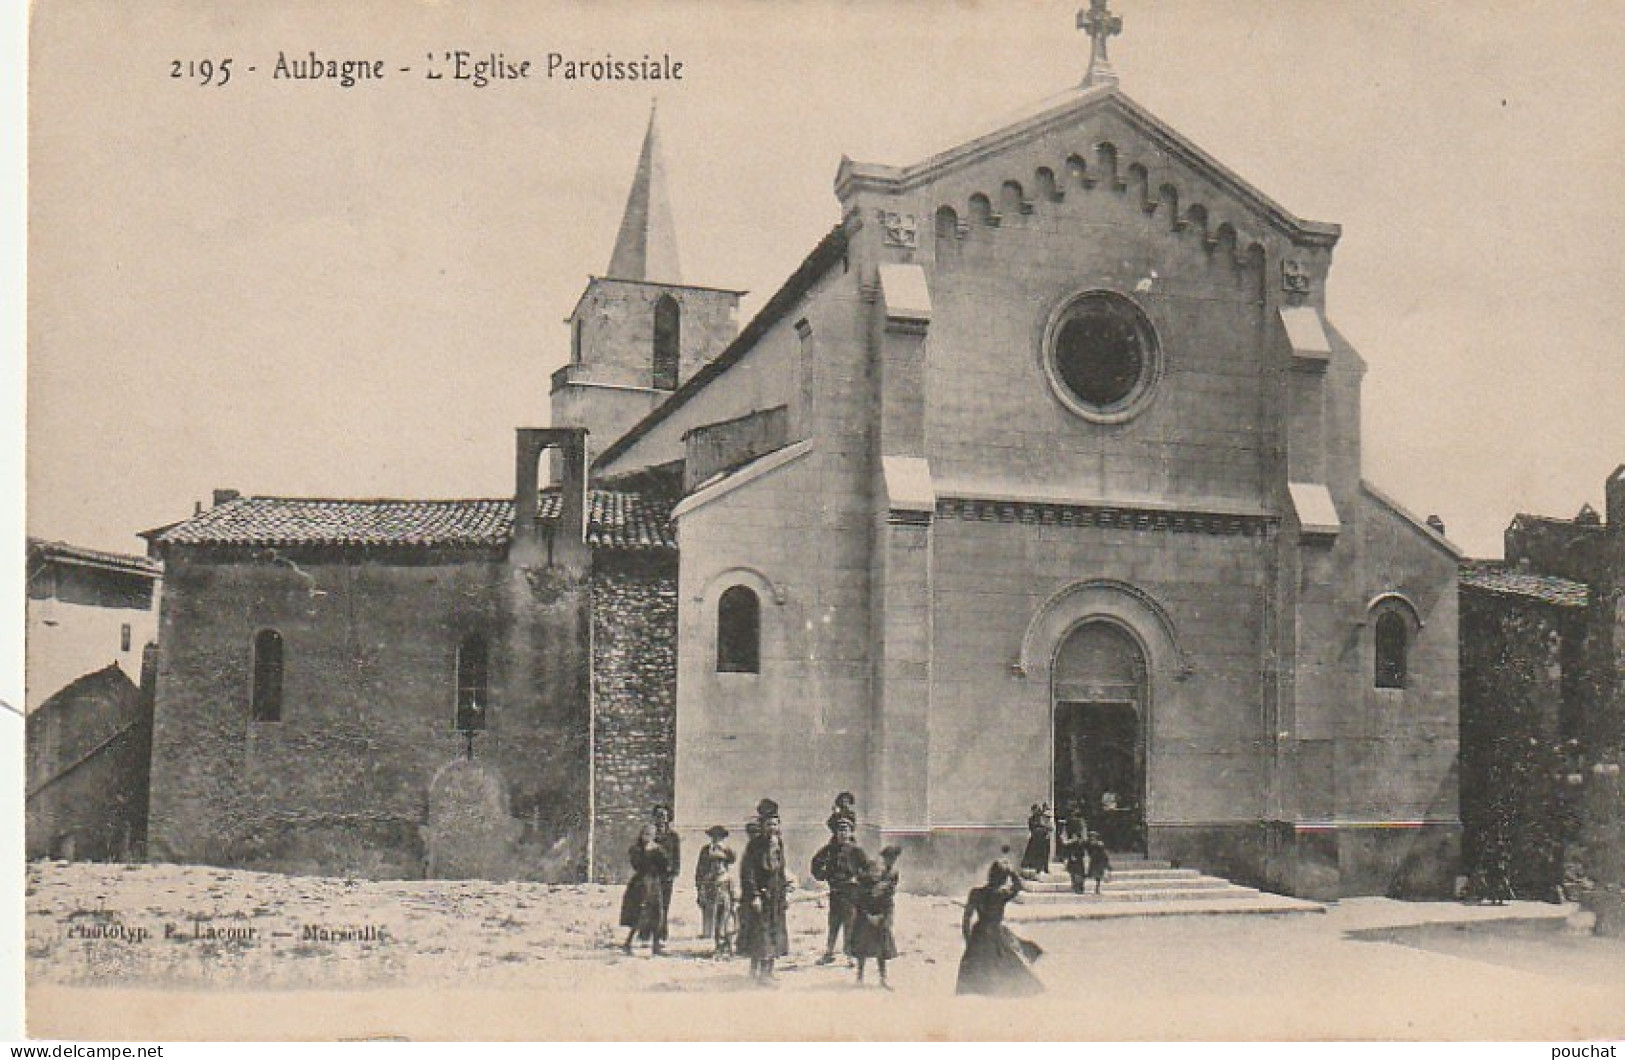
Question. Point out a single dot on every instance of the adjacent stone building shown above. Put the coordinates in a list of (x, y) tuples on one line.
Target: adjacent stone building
[(1038, 480), (92, 617), (1543, 707), (323, 661), (86, 608)]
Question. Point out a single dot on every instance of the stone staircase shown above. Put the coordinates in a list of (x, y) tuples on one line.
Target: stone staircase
[(1139, 887)]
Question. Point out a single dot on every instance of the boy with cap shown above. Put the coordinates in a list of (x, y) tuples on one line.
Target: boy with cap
[(714, 884), (838, 864)]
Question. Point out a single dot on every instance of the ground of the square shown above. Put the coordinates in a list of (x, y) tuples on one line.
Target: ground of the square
[(186, 952)]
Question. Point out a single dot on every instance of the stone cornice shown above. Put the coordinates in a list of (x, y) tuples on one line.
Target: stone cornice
[(1108, 516)]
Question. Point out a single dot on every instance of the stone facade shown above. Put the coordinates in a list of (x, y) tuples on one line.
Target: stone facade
[(369, 694), (944, 518), (373, 606), (634, 688)]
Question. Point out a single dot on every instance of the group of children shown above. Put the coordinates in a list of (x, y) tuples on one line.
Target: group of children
[(1081, 850), (862, 893), (862, 890)]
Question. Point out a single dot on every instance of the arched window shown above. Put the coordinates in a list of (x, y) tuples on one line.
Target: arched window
[(668, 333), (739, 631), (473, 684), (1393, 645), (266, 703)]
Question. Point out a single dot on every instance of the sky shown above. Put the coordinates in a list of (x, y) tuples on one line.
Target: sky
[(293, 288)]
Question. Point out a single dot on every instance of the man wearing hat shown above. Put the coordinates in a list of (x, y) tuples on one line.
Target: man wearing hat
[(714, 884), (764, 935), (838, 864), (845, 810)]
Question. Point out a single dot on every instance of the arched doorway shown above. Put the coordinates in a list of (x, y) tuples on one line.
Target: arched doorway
[(1100, 695)]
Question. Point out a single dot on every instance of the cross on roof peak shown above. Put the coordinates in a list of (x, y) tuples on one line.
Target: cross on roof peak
[(1100, 24)]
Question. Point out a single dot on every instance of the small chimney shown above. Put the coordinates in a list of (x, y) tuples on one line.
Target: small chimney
[(223, 496), (1614, 494), (197, 508), (1437, 524)]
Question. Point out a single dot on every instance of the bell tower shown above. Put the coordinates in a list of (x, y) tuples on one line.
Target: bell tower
[(638, 332)]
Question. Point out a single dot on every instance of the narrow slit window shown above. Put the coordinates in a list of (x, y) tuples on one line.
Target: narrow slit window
[(473, 684), (1393, 647), (266, 704), (739, 631), (668, 336)]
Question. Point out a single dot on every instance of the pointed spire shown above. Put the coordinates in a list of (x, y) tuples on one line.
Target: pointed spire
[(646, 248)]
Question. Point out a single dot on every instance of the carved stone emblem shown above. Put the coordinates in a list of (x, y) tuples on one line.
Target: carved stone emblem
[(899, 229), (1295, 278)]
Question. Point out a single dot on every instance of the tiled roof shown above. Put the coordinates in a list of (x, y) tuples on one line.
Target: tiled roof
[(615, 520), (61, 550), (1528, 521), (1546, 588)]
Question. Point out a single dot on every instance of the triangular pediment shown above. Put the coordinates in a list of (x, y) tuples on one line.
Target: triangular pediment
[(1144, 153)]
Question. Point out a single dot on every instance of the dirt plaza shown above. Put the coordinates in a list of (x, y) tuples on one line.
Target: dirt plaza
[(186, 952)]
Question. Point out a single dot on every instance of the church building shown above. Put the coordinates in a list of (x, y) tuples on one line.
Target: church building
[(1037, 481)]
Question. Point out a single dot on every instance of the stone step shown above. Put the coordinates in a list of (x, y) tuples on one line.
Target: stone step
[(1255, 903), (1125, 864), (1131, 883), (1124, 874), (1147, 894)]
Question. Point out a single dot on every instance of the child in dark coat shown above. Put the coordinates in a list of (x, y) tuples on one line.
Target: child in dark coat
[(1100, 863)]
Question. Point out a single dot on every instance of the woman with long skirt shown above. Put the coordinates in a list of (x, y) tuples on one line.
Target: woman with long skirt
[(764, 935), (995, 961), (1035, 859), (876, 903), (643, 906)]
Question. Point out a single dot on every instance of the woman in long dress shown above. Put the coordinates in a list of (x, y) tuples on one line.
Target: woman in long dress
[(1035, 858), (643, 906), (995, 960), (764, 935), (876, 903)]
